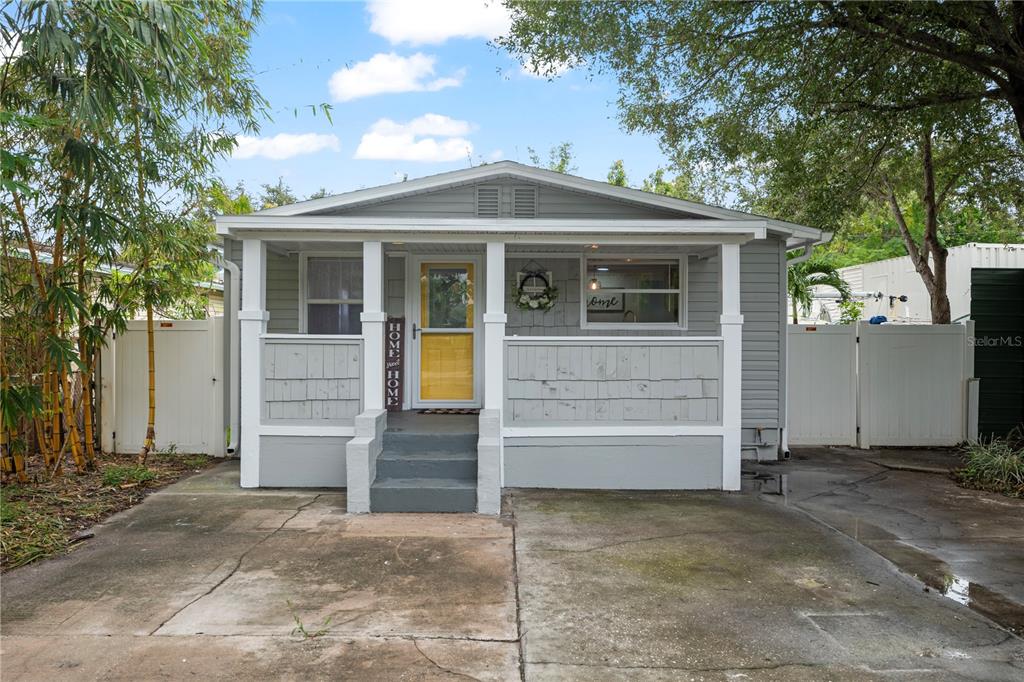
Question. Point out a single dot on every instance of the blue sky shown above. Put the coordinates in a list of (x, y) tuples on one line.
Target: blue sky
[(413, 86)]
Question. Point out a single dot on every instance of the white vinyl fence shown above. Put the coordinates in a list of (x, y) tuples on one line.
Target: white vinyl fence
[(189, 387), (880, 385)]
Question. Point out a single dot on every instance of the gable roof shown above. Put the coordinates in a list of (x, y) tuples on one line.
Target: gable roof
[(516, 171)]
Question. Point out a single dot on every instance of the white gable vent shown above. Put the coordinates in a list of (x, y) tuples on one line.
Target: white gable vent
[(488, 202), (524, 202)]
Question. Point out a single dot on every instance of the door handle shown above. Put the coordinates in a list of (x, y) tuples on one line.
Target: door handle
[(414, 330)]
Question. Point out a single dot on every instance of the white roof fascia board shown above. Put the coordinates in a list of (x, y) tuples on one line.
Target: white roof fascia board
[(610, 239), (228, 223)]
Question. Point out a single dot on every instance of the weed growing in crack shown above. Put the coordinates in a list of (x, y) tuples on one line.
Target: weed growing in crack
[(300, 629)]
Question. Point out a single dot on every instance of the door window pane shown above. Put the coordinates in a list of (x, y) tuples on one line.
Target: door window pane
[(447, 296), (334, 318)]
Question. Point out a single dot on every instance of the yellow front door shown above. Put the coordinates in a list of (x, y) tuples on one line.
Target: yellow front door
[(446, 328)]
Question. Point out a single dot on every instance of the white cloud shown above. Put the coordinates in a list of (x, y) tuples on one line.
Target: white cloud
[(416, 22), (284, 145), (496, 155), (389, 73), (431, 137)]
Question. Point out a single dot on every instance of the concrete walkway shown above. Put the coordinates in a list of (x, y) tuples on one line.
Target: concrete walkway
[(208, 581)]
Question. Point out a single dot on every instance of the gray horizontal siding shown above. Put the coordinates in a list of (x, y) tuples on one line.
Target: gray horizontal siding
[(460, 202), (761, 303), (311, 381), (283, 293), (303, 461), (394, 286), (605, 382), (623, 463)]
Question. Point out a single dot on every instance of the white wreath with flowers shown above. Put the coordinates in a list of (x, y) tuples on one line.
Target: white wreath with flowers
[(534, 296)]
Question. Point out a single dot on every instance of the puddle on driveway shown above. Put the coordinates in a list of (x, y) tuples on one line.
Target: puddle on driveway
[(937, 575), (933, 572)]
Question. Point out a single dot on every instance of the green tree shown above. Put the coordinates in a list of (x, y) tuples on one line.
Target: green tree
[(814, 110), (277, 195), (617, 174), (802, 278), (114, 116), (560, 158), (320, 193)]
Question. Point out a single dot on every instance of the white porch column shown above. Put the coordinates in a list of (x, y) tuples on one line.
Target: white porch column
[(373, 318), (732, 363), (490, 444), (252, 323), (494, 327)]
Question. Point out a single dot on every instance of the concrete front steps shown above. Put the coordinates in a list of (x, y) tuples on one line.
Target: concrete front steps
[(425, 472)]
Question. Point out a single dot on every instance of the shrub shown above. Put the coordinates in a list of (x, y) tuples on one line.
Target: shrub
[(996, 466), (119, 475)]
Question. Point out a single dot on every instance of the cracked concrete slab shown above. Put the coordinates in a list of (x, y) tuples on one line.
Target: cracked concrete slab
[(207, 579), (651, 586), (92, 657)]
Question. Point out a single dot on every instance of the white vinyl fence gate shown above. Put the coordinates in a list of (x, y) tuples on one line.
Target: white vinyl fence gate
[(189, 387), (887, 385)]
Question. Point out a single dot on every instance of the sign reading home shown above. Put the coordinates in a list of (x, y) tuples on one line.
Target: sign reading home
[(605, 301), (394, 363)]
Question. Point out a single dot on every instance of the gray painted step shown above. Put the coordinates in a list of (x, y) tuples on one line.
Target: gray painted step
[(399, 442), (427, 465), (423, 495)]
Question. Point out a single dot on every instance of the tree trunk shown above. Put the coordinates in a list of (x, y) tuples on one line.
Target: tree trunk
[(147, 445), (796, 318), (932, 246)]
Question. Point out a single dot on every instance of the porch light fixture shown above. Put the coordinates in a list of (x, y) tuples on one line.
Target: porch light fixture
[(602, 268), (594, 285)]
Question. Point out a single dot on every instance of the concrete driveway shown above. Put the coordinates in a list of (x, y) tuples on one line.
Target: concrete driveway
[(205, 580)]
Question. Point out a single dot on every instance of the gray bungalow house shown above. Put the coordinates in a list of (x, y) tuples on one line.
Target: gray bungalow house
[(584, 336)]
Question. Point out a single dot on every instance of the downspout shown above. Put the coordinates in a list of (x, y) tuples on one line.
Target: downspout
[(808, 247), (231, 330)]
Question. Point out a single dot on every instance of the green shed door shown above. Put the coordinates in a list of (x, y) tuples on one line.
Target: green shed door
[(997, 308)]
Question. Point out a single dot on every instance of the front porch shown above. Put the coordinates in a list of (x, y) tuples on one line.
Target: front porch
[(623, 383)]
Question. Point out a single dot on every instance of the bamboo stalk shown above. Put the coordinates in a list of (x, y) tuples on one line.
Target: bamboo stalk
[(147, 445), (72, 430)]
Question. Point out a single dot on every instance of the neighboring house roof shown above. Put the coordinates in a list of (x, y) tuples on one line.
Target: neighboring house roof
[(797, 235), (216, 284)]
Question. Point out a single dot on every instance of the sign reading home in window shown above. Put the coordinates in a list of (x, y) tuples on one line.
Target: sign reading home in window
[(394, 363), (606, 301)]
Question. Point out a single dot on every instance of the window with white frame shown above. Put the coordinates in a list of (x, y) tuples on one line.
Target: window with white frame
[(333, 295), (627, 293)]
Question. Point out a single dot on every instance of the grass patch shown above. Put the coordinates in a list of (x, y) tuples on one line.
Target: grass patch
[(995, 466), (47, 516), (127, 475)]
